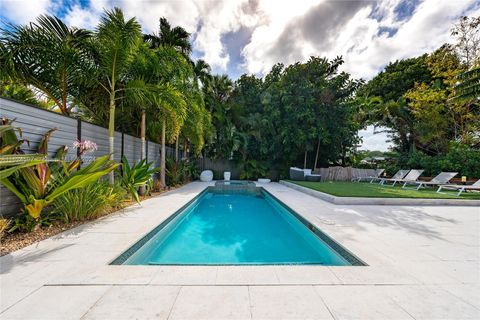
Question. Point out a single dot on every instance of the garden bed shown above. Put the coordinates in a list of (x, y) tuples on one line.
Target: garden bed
[(17, 240)]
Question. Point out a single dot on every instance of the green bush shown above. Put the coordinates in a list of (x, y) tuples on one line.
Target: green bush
[(137, 175), (459, 158), (38, 183), (89, 202), (180, 172), (253, 169)]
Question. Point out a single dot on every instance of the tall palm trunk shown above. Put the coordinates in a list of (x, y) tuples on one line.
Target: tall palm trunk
[(176, 149), (305, 160), (185, 149), (162, 155), (316, 156), (144, 149), (111, 133), (142, 134)]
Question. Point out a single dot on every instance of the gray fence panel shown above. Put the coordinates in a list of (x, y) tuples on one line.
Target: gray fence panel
[(9, 202), (34, 122), (153, 154), (96, 134), (132, 148)]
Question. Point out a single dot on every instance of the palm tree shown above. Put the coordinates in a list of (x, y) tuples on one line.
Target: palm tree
[(47, 55), (177, 38), (118, 43), (201, 71)]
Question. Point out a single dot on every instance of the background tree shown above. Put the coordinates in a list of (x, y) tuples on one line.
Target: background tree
[(48, 55)]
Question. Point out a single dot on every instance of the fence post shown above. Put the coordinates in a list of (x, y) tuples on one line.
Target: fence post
[(122, 147), (79, 138), (146, 151)]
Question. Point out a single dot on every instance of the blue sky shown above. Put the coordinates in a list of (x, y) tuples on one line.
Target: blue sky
[(249, 36)]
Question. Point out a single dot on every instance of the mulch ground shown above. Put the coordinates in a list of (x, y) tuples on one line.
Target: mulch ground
[(17, 240)]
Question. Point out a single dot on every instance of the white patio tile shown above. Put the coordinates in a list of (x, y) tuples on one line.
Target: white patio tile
[(287, 302), (212, 302), (134, 302), (62, 302), (360, 302), (373, 275), (306, 275), (185, 275), (422, 260), (11, 295), (431, 303), (468, 293), (242, 275), (105, 275)]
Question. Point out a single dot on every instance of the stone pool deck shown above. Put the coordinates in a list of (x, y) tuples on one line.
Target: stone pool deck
[(423, 263)]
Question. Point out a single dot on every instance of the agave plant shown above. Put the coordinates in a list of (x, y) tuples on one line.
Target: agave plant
[(136, 176), (38, 182)]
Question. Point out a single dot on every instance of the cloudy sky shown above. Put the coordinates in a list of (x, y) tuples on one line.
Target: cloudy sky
[(249, 36)]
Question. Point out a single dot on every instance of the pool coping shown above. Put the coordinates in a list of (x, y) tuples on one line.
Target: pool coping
[(346, 254), (379, 201)]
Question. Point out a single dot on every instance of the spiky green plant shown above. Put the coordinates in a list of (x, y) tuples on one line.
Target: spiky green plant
[(136, 176), (38, 184)]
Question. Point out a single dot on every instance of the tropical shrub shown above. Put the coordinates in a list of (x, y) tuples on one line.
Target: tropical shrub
[(179, 172), (38, 185), (138, 175), (92, 201), (253, 169), (459, 158)]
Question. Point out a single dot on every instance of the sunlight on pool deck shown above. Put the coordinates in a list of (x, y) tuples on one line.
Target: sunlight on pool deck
[(423, 263)]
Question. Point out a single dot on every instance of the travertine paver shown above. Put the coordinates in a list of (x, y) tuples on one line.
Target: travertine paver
[(68, 302), (212, 302), (354, 302), (423, 263), (287, 302), (134, 302)]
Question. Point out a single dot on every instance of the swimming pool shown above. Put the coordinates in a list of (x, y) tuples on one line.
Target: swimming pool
[(236, 227)]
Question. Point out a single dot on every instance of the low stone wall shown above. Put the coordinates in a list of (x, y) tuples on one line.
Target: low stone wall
[(380, 201)]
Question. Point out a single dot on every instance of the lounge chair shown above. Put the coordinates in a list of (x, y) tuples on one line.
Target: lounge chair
[(397, 176), (377, 174), (297, 174), (460, 187), (441, 178), (303, 174), (410, 177)]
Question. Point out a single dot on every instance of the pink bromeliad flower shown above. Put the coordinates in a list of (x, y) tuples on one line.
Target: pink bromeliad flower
[(85, 146)]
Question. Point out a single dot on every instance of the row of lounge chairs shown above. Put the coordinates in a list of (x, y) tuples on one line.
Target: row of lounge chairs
[(409, 178)]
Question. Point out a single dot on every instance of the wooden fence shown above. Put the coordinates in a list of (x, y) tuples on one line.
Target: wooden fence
[(343, 173)]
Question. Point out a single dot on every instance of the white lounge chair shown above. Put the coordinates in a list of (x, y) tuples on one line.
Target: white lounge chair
[(378, 172), (397, 176), (441, 178), (410, 177), (460, 187)]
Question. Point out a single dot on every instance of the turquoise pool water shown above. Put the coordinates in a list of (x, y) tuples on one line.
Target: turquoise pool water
[(221, 228)]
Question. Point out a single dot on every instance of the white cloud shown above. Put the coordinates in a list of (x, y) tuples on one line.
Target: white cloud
[(24, 11), (358, 40), (208, 21), (374, 140)]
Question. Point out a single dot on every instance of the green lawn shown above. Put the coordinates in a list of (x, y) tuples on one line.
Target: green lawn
[(362, 189)]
